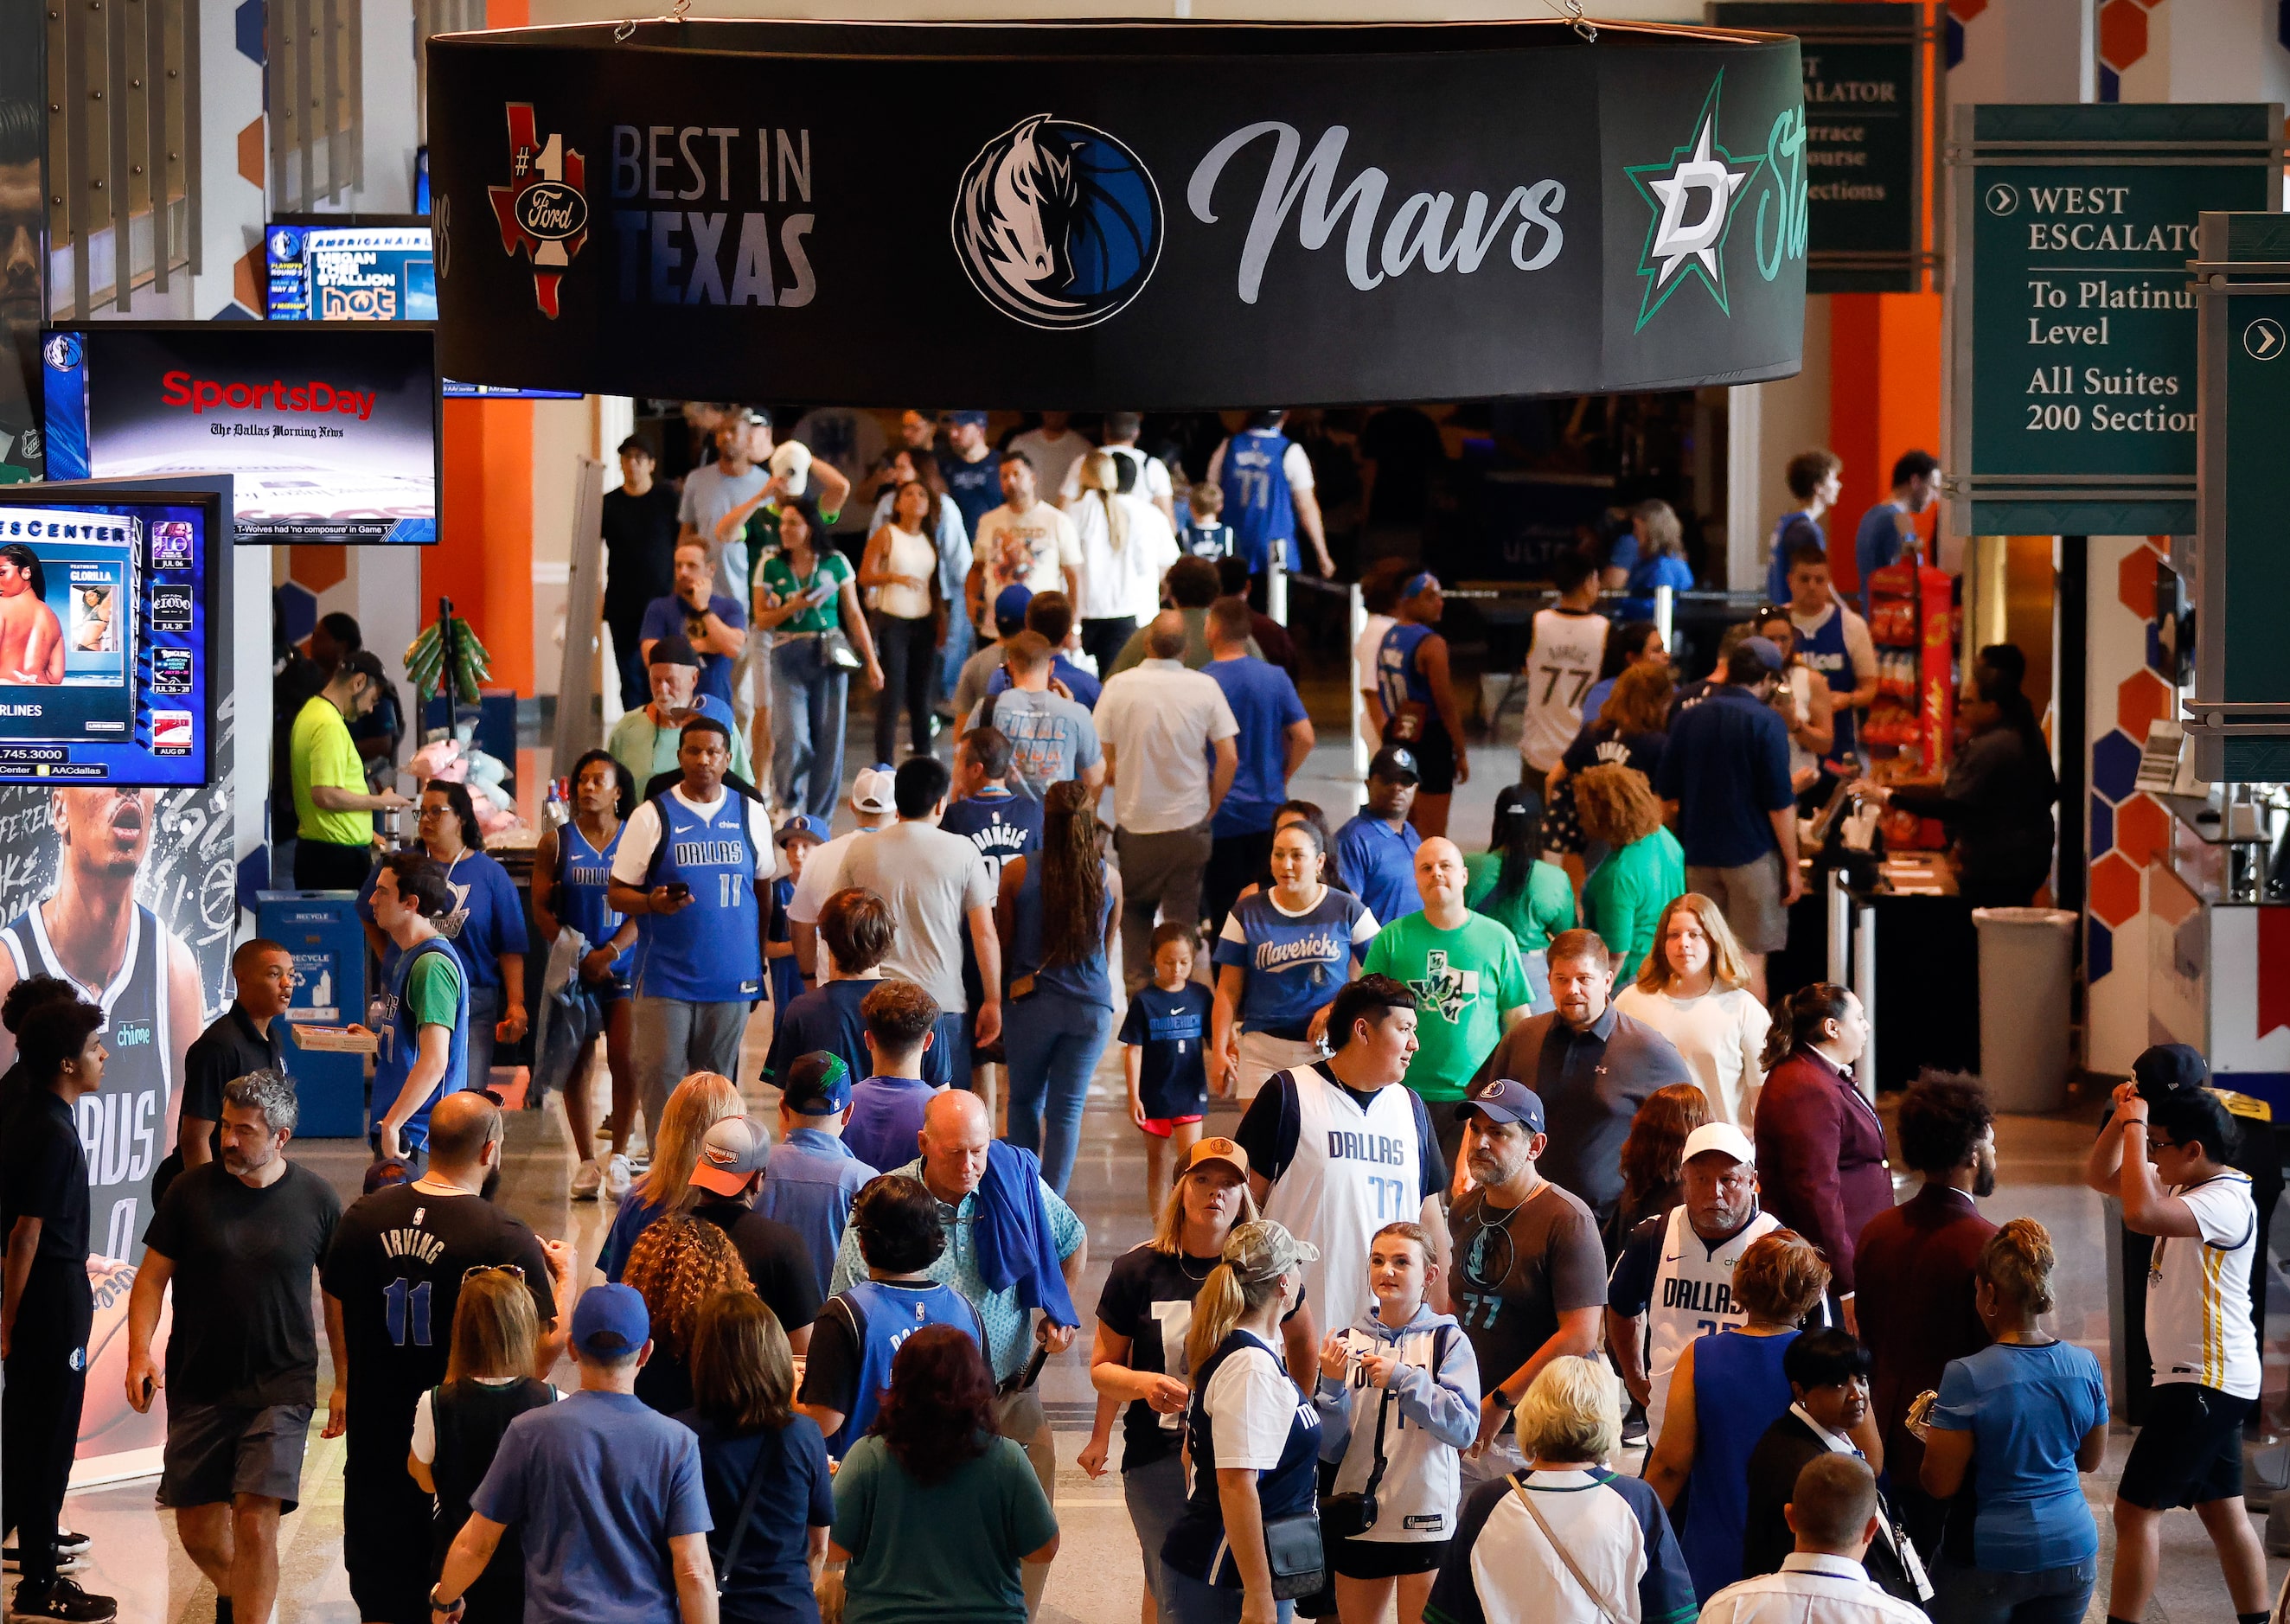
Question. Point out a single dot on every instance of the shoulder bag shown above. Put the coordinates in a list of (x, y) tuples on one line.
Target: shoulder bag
[(1611, 1614), (739, 1525)]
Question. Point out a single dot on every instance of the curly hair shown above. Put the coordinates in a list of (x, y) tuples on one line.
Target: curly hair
[(1615, 804), (677, 1264), (2017, 1264), (1653, 1155), (938, 1411), (1640, 701), (1942, 1118), (1073, 876)]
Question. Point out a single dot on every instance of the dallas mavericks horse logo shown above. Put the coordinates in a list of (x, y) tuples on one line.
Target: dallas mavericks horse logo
[(1058, 224)]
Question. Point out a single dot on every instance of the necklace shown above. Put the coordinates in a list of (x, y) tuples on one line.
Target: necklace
[(1185, 1267), (1488, 1255)]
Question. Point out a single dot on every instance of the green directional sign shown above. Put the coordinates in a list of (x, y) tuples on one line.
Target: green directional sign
[(2071, 319), (1867, 102), (2241, 709)]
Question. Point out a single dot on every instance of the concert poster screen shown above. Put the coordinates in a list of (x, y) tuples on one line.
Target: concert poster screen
[(106, 624), (329, 430)]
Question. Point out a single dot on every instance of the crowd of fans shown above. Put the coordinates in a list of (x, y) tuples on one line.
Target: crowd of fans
[(1527, 1170)]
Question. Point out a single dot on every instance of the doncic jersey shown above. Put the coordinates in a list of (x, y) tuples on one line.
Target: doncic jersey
[(122, 1123), (711, 952), (1692, 1297), (1562, 662), (881, 1317), (1400, 681), (1002, 825), (401, 1040), (1256, 500), (582, 874), (1356, 1169)]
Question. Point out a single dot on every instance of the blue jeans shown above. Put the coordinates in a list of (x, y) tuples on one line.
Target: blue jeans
[(1976, 1595), (808, 695), (1053, 1043), (1187, 1600), (1156, 1498), (959, 642)]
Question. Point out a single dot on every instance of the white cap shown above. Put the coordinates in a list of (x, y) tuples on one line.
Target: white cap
[(875, 790), (1720, 1136), (791, 461)]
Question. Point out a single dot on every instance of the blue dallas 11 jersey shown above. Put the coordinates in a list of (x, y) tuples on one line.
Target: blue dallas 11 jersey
[(711, 952)]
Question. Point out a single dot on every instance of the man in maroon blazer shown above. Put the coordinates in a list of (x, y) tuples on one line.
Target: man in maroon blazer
[(1820, 1145), (1919, 1259)]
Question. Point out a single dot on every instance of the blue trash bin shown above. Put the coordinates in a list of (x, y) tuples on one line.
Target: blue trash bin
[(321, 929)]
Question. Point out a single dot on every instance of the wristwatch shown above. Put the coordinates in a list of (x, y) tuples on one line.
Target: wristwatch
[(450, 1608), (1500, 1399)]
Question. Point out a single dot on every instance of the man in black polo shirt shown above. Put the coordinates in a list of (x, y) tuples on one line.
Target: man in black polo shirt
[(47, 1309), (243, 1038)]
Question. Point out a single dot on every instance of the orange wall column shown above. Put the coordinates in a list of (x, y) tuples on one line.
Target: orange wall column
[(1883, 399), (484, 559)]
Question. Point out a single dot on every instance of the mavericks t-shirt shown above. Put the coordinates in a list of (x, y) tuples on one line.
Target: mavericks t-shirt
[(1462, 979), (1293, 963)]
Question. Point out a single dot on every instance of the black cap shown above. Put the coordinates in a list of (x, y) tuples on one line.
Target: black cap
[(1395, 763), (2170, 1069), (673, 650)]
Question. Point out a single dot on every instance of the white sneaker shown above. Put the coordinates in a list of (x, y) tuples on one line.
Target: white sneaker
[(618, 1177), (586, 1177)]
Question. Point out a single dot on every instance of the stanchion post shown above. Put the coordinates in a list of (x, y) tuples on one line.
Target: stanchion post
[(1665, 606), (1276, 592), (1864, 984), (1356, 627), (1840, 930)]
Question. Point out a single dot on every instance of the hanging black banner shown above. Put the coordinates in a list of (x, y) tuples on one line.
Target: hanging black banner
[(1117, 215)]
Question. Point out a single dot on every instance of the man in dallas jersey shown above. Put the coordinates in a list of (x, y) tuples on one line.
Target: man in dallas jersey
[(1674, 1281)]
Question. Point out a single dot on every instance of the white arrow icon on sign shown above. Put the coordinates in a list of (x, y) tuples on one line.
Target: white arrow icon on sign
[(2263, 340)]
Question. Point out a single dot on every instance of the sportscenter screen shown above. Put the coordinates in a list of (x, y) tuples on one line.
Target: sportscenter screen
[(105, 636), (365, 269), (329, 430)]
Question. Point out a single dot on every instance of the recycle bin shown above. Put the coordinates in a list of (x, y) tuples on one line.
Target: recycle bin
[(2026, 972)]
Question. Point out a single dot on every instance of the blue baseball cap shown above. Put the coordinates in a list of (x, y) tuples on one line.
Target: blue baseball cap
[(1768, 653), (1505, 1100), (974, 420), (803, 824), (611, 1321), (1010, 603), (818, 1085)]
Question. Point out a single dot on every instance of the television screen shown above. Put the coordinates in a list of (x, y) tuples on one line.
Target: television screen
[(365, 269), (107, 634), (328, 431)]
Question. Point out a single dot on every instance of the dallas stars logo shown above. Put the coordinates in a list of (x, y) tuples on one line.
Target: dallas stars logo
[(1692, 193), (1443, 988)]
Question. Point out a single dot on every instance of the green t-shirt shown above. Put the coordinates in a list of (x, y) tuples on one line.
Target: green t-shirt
[(1623, 898), (922, 1555), (1462, 979), (647, 749), (779, 579), (1533, 917), (321, 752), (433, 990)]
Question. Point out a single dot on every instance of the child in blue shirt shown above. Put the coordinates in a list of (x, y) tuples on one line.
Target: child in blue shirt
[(796, 838), (886, 1108), (1163, 1037), (1203, 534)]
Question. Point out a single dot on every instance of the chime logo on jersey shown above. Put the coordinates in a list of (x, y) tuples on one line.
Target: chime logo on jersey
[(1692, 194), (1057, 224)]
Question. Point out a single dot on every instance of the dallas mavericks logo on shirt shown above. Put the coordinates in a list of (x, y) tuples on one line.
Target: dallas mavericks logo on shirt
[(1445, 988), (1058, 224)]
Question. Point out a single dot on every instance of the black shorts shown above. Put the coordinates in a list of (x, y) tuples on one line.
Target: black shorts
[(217, 1452), (2188, 1453), (1385, 1558), (387, 1533), (1435, 757)]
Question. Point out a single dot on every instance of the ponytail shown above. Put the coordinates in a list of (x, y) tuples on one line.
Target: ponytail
[(1799, 1018), (1216, 1310), (2017, 1261)]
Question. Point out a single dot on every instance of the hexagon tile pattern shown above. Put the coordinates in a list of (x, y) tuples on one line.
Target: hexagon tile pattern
[(2122, 33), (2099, 952), (248, 23), (2134, 581), (251, 154), (2114, 764), (298, 606), (2141, 700), (2142, 830), (2115, 889)]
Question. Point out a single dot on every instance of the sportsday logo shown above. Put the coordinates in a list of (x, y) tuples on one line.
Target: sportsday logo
[(201, 395)]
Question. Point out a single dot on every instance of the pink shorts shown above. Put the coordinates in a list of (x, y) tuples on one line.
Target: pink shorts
[(1161, 1127)]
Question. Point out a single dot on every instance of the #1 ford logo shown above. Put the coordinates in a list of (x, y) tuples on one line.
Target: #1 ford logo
[(552, 211)]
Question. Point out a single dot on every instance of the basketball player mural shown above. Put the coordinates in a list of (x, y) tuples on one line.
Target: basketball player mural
[(91, 932)]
